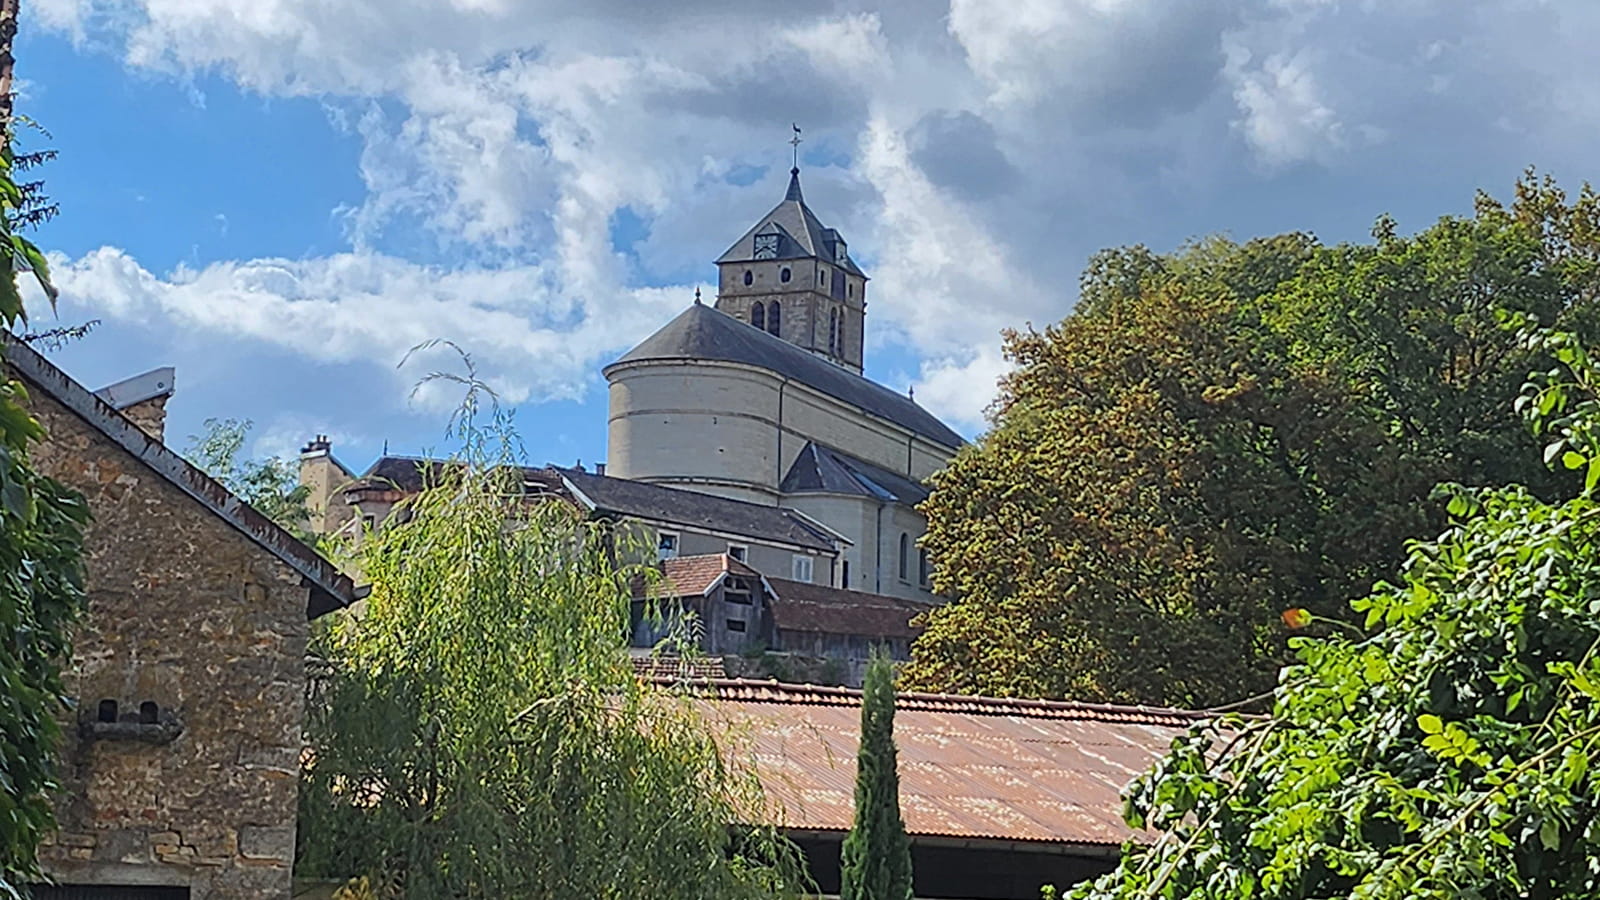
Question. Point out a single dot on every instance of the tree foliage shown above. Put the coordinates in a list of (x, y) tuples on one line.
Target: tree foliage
[(478, 730), (270, 484), (1440, 748), (1218, 434), (41, 578), (875, 861)]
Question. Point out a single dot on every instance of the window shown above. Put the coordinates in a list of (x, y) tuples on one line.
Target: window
[(108, 711), (922, 566), (736, 625), (850, 291), (822, 275), (738, 590), (844, 574), (833, 331), (772, 318), (783, 274), (666, 545), (748, 278), (739, 552), (802, 568), (905, 556), (370, 522), (758, 315), (149, 713)]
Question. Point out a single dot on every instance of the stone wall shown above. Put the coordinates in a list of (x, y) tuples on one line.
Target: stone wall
[(189, 614)]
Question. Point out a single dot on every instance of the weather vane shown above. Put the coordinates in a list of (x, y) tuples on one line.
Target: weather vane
[(795, 143)]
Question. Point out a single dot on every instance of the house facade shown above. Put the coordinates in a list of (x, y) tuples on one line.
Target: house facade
[(180, 762)]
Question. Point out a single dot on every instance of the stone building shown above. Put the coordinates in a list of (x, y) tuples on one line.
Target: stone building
[(180, 762), (762, 399)]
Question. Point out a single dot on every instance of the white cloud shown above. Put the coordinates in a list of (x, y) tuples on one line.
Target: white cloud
[(975, 158), (527, 341)]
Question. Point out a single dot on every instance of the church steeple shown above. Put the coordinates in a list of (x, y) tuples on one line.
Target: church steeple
[(793, 277)]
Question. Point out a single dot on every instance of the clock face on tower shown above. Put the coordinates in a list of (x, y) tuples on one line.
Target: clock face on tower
[(766, 246)]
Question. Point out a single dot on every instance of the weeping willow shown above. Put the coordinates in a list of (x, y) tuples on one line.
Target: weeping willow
[(477, 730)]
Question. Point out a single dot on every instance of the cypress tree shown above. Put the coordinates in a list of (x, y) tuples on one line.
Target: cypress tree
[(875, 863)]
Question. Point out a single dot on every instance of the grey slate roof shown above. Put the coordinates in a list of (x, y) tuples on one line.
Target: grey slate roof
[(801, 235), (691, 509), (701, 332), (824, 469)]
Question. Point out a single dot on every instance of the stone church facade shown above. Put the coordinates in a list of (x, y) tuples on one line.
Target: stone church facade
[(761, 398)]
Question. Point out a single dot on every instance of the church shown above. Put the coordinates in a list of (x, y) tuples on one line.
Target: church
[(761, 398), (777, 483)]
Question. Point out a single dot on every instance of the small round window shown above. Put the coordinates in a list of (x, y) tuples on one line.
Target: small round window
[(783, 275), (748, 278)]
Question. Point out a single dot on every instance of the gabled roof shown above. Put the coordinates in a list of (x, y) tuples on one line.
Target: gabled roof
[(801, 235), (702, 333), (696, 576), (971, 768), (691, 509), (820, 469), (802, 606), (329, 588)]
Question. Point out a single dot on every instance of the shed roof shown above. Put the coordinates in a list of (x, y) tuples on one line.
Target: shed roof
[(818, 608), (330, 589), (703, 333), (970, 767)]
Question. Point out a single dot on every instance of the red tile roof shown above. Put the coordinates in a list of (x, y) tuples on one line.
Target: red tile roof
[(800, 606), (970, 767), (695, 576)]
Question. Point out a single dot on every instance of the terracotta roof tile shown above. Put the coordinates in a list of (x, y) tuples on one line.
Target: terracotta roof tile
[(800, 606), (970, 767)]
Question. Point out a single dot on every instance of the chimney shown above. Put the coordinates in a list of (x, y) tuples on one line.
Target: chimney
[(143, 399), (325, 480), (599, 468), (317, 446)]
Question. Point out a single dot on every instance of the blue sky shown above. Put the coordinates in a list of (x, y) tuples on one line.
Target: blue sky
[(280, 197)]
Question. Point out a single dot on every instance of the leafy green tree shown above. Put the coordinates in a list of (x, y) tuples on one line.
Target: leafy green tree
[(41, 572), (478, 730), (270, 484), (1218, 434), (875, 861), (1440, 748)]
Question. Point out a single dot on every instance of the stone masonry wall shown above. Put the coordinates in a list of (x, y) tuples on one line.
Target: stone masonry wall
[(187, 613)]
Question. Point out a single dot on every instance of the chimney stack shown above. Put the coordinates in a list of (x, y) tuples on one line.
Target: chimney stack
[(143, 399)]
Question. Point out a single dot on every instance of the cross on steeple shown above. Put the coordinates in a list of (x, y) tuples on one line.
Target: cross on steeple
[(794, 143)]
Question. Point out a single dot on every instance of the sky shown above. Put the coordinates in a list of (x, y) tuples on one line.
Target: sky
[(282, 198)]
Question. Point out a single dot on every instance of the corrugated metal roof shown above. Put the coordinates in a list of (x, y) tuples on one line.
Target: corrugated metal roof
[(970, 767)]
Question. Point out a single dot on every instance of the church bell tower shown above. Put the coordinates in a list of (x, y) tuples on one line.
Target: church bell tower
[(793, 277)]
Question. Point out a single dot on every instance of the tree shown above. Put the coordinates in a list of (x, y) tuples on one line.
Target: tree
[(1218, 434), (478, 730), (1440, 748), (875, 861), (41, 543), (270, 484)]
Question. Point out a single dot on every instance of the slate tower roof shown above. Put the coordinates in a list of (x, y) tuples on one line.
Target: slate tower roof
[(800, 234)]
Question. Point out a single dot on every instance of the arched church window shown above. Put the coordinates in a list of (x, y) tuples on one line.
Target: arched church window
[(783, 274), (758, 315), (905, 556), (748, 278), (772, 318), (833, 331)]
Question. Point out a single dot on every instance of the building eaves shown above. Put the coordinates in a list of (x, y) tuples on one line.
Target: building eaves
[(330, 589), (663, 505)]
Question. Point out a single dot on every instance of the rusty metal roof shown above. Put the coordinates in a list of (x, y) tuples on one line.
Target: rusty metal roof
[(970, 767), (329, 588), (803, 606)]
